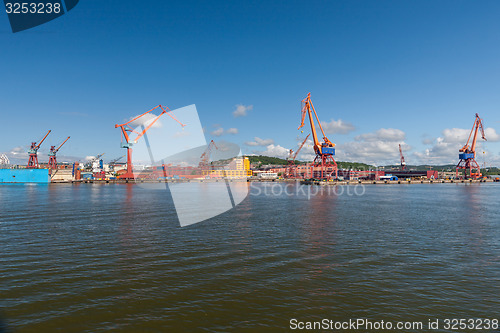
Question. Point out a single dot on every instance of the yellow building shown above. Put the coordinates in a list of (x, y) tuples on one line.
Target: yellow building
[(239, 167)]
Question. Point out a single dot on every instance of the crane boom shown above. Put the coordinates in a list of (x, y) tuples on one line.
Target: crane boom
[(126, 128), (302, 145), (402, 158), (478, 124), (38, 146), (204, 158), (57, 149)]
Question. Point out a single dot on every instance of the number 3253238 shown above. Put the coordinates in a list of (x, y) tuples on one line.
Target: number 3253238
[(32, 8)]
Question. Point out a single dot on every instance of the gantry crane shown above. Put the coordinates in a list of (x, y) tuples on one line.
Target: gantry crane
[(402, 158), (127, 131), (324, 150), (467, 154), (113, 162), (33, 151), (291, 159), (205, 157), (52, 155)]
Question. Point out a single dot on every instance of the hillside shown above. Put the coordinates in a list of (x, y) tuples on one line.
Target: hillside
[(267, 160)]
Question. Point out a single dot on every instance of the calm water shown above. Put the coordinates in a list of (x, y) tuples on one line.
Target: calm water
[(92, 258)]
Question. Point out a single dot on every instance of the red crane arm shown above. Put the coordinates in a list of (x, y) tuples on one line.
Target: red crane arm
[(302, 145), (306, 109), (57, 149), (38, 145), (206, 153), (125, 126), (479, 125)]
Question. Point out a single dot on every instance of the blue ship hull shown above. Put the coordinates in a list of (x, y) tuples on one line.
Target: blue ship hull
[(24, 176)]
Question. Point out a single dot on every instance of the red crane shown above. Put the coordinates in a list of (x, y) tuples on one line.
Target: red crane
[(324, 150), (205, 157), (33, 151), (52, 155), (291, 159), (403, 163), (467, 154), (127, 131)]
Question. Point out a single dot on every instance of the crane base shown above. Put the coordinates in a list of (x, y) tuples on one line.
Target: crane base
[(468, 164)]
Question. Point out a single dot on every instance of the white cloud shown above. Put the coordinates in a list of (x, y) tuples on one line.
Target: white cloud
[(491, 135), (338, 127), (241, 110), (232, 131), (18, 150), (377, 148), (260, 142), (383, 134), (218, 132), (181, 134), (145, 120), (427, 141), (444, 149), (274, 151)]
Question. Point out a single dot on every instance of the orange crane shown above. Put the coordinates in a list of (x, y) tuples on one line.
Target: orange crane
[(403, 163), (324, 150), (205, 157), (292, 157), (127, 132), (467, 154), (52, 155), (33, 151)]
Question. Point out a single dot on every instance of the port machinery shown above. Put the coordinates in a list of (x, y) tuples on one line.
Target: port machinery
[(127, 131), (324, 150), (402, 159), (205, 157), (52, 155), (33, 153), (112, 163), (467, 154), (291, 168)]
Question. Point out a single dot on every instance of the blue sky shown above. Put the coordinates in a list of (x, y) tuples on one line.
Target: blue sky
[(380, 73)]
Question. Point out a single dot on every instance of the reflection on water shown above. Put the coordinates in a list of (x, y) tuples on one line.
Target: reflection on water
[(95, 257)]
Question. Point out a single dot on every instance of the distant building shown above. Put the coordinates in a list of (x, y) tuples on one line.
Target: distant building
[(238, 168), (427, 174)]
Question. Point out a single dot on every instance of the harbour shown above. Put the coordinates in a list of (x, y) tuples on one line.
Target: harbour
[(114, 258)]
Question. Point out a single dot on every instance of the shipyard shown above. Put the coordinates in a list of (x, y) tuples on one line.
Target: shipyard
[(324, 170)]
